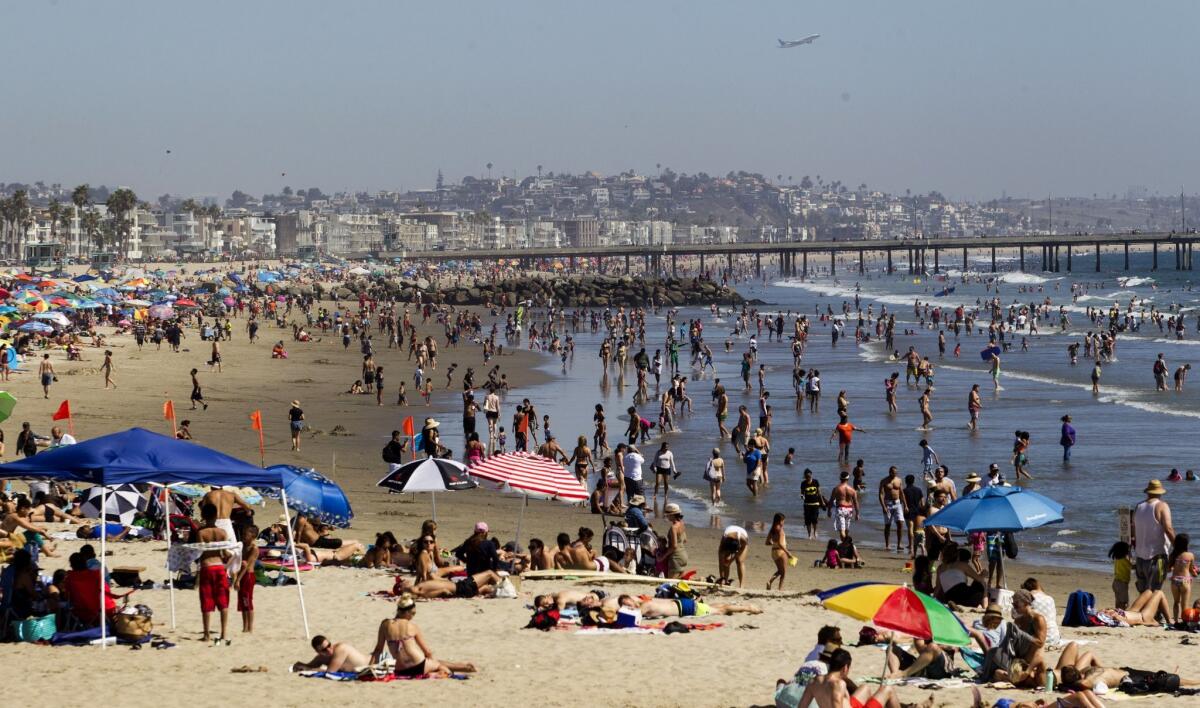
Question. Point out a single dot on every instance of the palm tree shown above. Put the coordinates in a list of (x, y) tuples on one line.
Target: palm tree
[(119, 204), (79, 196), (21, 217), (56, 212), (539, 169), (90, 224)]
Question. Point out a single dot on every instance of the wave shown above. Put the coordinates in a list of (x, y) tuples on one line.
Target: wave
[(1164, 340), (1019, 278), (1133, 281), (1060, 546)]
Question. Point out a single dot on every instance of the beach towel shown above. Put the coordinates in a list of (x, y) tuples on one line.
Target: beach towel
[(331, 675), (1080, 604)]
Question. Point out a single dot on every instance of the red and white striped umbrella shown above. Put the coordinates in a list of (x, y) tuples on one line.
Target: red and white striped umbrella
[(531, 474)]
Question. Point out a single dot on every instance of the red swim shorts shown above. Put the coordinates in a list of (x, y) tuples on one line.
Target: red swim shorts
[(214, 588), (871, 703), (245, 592)]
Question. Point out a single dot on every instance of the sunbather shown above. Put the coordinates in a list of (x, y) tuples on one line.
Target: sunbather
[(482, 584), (22, 518), (333, 656), (931, 661), (1082, 671), (683, 607), (427, 567), (1151, 607), (404, 641)]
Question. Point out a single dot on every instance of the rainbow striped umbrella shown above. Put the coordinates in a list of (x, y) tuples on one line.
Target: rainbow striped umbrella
[(898, 608)]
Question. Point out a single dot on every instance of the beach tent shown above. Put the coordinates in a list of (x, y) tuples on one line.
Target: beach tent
[(138, 456)]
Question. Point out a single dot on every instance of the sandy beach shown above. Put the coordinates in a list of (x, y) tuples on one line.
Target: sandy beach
[(752, 651)]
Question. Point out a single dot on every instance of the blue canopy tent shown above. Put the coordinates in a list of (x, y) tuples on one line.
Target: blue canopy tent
[(138, 456)]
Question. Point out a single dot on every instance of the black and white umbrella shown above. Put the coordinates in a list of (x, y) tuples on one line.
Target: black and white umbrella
[(432, 474), (122, 505)]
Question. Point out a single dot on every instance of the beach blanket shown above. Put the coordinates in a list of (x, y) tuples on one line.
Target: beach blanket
[(183, 556)]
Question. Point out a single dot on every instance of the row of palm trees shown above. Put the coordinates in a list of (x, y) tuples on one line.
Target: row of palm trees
[(16, 217)]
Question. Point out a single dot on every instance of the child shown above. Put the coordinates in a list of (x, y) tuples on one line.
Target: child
[(427, 391), (831, 559), (790, 457), (244, 580), (1183, 569), (503, 440), (402, 399), (546, 426)]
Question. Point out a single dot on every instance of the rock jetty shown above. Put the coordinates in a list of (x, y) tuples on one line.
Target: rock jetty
[(565, 290)]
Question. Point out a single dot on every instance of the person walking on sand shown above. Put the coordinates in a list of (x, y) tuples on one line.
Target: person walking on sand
[(107, 368), (777, 540), (296, 423), (214, 359), (197, 394), (46, 374)]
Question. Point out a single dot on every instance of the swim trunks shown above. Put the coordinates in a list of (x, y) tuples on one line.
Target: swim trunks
[(692, 608), (895, 512), (213, 586), (871, 703), (842, 519), (245, 593), (466, 587)]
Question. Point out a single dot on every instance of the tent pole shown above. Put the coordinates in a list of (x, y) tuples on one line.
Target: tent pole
[(170, 575), (103, 562), (295, 561)]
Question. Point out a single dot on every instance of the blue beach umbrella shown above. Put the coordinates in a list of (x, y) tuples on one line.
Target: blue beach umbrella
[(39, 327), (313, 494), (998, 509)]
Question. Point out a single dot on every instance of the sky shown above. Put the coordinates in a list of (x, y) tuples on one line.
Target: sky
[(973, 99)]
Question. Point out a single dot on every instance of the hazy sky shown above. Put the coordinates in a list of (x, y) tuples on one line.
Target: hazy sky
[(971, 98)]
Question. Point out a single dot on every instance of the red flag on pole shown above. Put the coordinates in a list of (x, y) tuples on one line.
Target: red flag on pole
[(64, 413), (256, 424), (408, 430), (169, 414)]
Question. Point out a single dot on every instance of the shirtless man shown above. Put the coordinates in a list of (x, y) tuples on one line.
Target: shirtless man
[(333, 656), (661, 607), (843, 501), (540, 557), (891, 500), (481, 584), (943, 484), (562, 557), (583, 557), (551, 451), (829, 690), (722, 413), (213, 583), (224, 501), (318, 538), (22, 518)]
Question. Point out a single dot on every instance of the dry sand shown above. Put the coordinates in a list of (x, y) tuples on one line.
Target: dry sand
[(737, 664)]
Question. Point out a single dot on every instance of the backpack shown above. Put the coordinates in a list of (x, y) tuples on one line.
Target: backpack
[(676, 591), (1143, 682), (1010, 545), (1080, 605), (544, 620), (389, 456)]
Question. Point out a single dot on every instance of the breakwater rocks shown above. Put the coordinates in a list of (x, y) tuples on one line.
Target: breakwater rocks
[(566, 290)]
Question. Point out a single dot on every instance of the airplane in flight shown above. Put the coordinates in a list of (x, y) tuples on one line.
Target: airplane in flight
[(788, 44)]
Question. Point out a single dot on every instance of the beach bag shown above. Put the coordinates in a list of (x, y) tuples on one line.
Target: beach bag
[(132, 627), (676, 591), (708, 472), (34, 629), (505, 589), (544, 620), (1143, 682), (1080, 605)]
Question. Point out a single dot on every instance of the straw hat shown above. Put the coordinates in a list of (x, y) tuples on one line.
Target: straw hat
[(973, 477), (431, 423), (637, 500), (295, 404), (1155, 488), (671, 509)]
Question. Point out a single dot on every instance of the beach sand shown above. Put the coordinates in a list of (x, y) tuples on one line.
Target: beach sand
[(737, 664)]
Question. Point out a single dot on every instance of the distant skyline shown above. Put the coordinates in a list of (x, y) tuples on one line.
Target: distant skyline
[(974, 100)]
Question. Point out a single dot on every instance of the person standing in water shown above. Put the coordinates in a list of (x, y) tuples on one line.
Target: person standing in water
[(974, 405), (1067, 438), (994, 368)]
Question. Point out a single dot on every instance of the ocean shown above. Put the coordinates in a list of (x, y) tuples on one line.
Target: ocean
[(1127, 435)]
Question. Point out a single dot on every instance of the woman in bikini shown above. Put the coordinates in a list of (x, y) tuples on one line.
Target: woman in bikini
[(482, 584), (1183, 568), (581, 458), (1147, 609), (777, 540), (404, 641), (426, 564)]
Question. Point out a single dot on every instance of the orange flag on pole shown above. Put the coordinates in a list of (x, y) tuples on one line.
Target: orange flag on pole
[(169, 414), (256, 424), (408, 430), (64, 413)]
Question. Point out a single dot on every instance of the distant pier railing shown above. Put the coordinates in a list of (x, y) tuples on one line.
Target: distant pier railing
[(1052, 253)]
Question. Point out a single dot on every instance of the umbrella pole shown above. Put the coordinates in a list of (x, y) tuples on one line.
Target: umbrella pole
[(521, 518), (103, 562), (433, 500), (295, 561), (886, 656)]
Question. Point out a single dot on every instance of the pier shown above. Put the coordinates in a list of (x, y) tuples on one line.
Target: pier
[(922, 255)]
